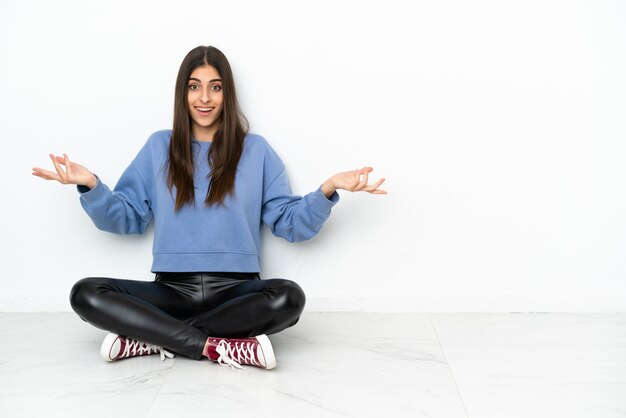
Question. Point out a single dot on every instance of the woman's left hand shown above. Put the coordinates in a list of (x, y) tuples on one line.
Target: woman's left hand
[(353, 181)]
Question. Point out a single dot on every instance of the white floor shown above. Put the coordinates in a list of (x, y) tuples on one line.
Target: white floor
[(340, 364)]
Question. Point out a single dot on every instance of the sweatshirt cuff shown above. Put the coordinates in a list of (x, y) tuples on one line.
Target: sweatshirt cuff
[(95, 196), (323, 203)]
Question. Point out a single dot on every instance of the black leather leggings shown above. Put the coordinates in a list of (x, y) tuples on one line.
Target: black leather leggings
[(179, 311)]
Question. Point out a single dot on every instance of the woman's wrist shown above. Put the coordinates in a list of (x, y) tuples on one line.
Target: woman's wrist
[(93, 182), (328, 188)]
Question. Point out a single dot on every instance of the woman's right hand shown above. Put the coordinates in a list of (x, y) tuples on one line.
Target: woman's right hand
[(73, 174)]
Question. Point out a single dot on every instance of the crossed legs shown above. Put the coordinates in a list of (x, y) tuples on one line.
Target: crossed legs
[(179, 311)]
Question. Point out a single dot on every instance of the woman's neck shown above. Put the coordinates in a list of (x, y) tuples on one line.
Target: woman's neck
[(203, 135)]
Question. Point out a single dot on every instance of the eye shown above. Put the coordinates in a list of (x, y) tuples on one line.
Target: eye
[(216, 87), (191, 86)]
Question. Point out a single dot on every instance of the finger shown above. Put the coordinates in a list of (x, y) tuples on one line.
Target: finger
[(363, 181), (58, 168), (378, 192), (41, 175), (68, 167), (374, 186), (45, 174), (360, 184), (61, 160)]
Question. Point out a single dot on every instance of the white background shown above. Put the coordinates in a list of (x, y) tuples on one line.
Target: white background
[(500, 126)]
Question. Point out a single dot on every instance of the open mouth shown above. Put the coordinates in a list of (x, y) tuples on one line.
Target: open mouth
[(205, 111)]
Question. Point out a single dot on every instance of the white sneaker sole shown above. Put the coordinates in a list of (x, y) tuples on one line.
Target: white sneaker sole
[(267, 350), (107, 346)]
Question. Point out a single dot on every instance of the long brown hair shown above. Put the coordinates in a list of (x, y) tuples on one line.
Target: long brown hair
[(227, 145)]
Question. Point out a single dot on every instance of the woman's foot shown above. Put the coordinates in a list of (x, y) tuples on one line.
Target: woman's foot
[(116, 347), (254, 351)]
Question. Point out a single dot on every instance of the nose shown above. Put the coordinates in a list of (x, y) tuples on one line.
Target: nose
[(206, 96)]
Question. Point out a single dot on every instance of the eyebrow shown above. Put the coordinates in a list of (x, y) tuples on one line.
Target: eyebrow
[(210, 81)]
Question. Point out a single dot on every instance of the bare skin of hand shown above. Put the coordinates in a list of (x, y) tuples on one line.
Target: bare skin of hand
[(73, 174), (352, 181)]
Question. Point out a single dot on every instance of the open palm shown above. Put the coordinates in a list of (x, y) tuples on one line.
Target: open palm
[(356, 180), (73, 174)]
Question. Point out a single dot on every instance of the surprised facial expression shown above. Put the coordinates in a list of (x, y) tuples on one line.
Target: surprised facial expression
[(205, 99)]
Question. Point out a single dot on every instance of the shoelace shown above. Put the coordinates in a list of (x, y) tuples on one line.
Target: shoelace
[(234, 354), (138, 348)]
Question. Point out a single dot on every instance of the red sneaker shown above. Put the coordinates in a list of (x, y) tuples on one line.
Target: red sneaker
[(115, 347), (255, 351)]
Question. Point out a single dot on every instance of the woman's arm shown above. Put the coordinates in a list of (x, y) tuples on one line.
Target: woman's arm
[(125, 210), (297, 218)]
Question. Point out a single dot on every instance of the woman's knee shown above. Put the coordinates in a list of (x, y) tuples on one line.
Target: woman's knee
[(83, 294), (291, 297)]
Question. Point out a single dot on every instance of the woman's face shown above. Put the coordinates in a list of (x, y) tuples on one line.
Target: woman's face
[(205, 98)]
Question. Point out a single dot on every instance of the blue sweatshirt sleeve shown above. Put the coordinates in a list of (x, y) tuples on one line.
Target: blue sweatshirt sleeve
[(292, 217), (124, 210)]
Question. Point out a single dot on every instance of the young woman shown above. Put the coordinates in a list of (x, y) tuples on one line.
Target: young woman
[(208, 184)]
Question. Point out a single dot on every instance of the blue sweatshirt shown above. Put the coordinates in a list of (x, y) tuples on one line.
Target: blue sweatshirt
[(200, 238)]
